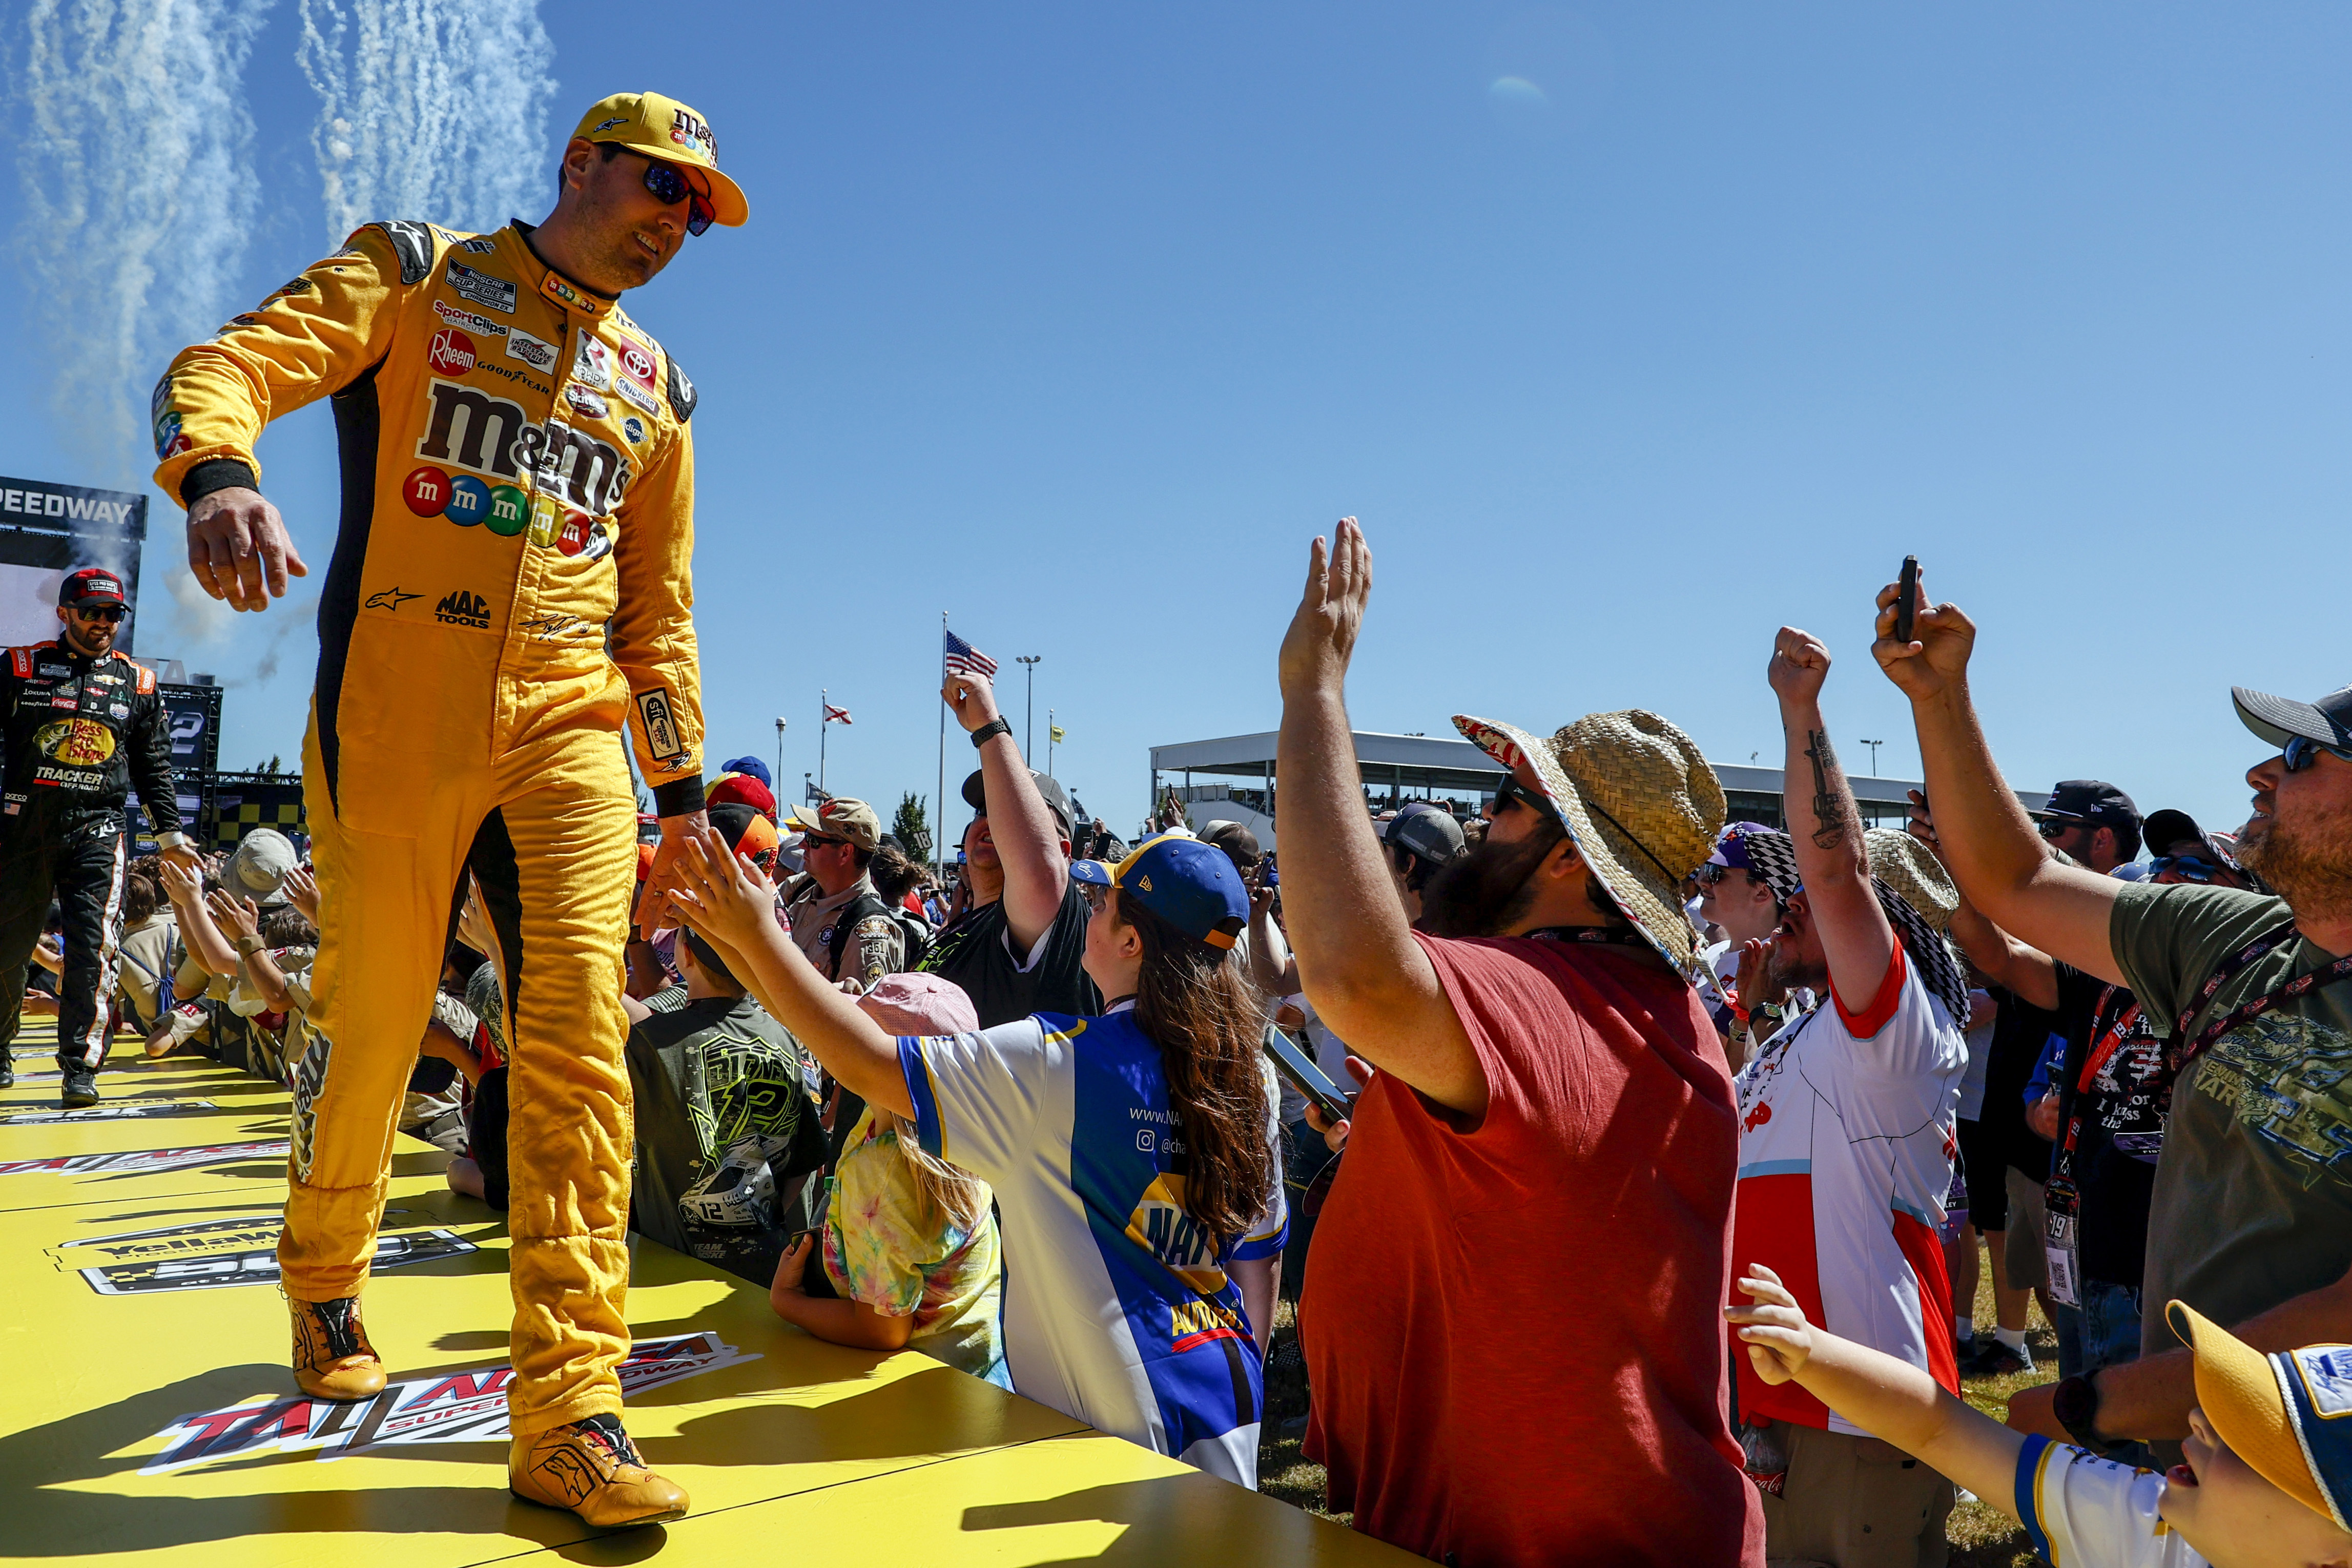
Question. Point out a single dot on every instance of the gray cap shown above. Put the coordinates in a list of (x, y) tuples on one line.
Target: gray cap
[(1421, 829), (260, 866), (1057, 799), (2279, 719)]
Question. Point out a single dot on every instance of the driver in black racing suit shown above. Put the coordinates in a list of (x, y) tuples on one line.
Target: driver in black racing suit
[(81, 723)]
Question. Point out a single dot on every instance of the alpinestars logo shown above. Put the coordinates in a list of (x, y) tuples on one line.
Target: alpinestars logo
[(463, 609), (456, 1407)]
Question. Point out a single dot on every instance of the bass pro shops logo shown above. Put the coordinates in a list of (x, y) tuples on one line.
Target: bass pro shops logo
[(76, 742), (463, 609)]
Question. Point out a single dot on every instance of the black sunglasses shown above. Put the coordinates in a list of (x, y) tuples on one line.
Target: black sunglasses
[(670, 187), (2056, 830), (2302, 750), (1511, 792), (102, 613)]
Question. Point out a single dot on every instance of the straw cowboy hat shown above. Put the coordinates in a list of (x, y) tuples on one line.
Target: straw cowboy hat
[(1639, 803)]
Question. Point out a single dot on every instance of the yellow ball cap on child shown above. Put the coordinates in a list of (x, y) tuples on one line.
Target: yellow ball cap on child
[(2288, 1414)]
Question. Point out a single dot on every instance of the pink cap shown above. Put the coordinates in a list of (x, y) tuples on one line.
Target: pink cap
[(920, 1004)]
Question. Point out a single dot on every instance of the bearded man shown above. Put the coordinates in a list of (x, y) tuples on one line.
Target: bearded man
[(2251, 1218), (1547, 1077)]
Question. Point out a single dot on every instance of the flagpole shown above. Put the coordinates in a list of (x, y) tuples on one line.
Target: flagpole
[(823, 709), (1049, 742), (939, 800)]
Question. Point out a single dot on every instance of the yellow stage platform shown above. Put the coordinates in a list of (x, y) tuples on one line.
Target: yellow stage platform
[(145, 1406)]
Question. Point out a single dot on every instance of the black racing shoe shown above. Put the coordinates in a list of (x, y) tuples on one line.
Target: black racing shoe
[(8, 1078), (81, 1089)]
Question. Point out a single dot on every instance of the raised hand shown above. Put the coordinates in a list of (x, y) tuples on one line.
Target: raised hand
[(1322, 635), (972, 698), (1935, 660), (1800, 665), (239, 550)]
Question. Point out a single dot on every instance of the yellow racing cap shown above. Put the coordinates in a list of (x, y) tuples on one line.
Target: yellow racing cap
[(2287, 1413), (663, 128)]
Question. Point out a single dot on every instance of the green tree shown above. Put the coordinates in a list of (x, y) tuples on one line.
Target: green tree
[(910, 825)]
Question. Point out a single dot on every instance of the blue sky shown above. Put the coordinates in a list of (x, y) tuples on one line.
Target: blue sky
[(1078, 321)]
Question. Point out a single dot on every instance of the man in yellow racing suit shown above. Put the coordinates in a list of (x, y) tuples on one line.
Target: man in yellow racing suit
[(510, 580)]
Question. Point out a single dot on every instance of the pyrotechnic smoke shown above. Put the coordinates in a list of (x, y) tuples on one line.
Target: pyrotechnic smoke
[(139, 192), (429, 108)]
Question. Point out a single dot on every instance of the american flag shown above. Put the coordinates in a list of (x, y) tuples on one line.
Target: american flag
[(965, 659), (836, 715)]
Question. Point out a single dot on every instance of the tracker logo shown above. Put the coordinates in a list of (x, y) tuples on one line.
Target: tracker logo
[(452, 351), (464, 609)]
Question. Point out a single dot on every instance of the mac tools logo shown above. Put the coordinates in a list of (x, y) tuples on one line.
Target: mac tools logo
[(464, 609), (456, 1407)]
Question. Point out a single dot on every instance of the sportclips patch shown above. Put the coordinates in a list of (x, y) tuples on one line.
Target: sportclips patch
[(145, 1161), (210, 1254), (125, 1110), (456, 1407)]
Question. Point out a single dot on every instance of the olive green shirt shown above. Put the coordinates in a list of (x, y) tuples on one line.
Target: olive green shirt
[(2253, 1204)]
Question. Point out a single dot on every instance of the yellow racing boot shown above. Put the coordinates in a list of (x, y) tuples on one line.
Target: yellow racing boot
[(332, 1358), (590, 1467)]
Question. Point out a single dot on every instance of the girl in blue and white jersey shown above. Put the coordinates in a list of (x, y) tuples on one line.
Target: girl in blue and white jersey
[(1132, 1154)]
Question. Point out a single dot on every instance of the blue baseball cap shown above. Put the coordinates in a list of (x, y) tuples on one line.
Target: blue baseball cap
[(752, 765), (1191, 885)]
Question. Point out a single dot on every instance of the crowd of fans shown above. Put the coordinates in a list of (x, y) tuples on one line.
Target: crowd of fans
[(1614, 1070)]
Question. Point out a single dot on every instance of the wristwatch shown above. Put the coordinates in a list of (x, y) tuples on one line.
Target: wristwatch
[(1000, 725), (2075, 1402)]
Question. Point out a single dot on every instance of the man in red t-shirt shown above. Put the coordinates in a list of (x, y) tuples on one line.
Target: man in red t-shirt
[(1512, 1317)]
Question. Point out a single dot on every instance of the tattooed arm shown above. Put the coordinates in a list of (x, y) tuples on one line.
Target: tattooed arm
[(1826, 829)]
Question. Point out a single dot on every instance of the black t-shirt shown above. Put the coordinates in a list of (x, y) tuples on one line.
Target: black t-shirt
[(2116, 1150), (2020, 1030), (973, 953), (723, 1117)]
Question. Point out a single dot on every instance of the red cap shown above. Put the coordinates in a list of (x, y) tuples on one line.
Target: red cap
[(91, 586)]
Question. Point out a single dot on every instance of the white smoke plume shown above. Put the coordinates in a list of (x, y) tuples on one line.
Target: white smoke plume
[(429, 108), (137, 173)]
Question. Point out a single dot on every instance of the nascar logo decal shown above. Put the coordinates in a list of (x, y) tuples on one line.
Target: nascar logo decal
[(455, 1408), (209, 1254)]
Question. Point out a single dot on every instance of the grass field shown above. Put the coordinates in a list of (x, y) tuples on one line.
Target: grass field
[(1981, 1537)]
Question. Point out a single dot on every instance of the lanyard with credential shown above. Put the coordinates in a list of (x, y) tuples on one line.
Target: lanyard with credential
[(2178, 1059)]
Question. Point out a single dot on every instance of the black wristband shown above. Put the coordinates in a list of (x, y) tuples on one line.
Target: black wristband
[(216, 474), (1000, 725), (2075, 1402), (679, 798)]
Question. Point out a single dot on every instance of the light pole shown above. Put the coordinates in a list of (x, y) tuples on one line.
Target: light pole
[(1873, 746), (780, 750), (1029, 717)]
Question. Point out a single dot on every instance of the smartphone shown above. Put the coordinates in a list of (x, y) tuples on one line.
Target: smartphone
[(1907, 595), (1299, 1071)]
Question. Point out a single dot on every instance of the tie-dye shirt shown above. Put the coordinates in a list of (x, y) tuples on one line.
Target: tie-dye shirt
[(888, 1245)]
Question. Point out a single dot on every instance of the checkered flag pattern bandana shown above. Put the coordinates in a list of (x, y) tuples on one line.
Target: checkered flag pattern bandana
[(1772, 855)]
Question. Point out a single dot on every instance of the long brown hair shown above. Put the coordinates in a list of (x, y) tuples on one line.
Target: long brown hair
[(1194, 1005)]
